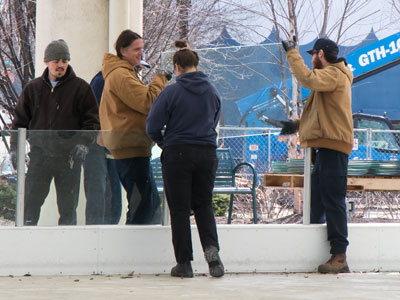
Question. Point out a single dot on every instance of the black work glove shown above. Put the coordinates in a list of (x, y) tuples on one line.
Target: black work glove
[(289, 44), (78, 154), (288, 127), (13, 159), (167, 74), (313, 155)]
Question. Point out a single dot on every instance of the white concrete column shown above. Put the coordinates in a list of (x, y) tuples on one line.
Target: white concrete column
[(118, 20), (82, 24), (136, 16), (124, 14)]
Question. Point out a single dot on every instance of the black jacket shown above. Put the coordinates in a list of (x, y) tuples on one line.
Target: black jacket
[(70, 105)]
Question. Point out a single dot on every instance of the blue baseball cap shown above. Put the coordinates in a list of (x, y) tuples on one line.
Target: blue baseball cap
[(143, 61)]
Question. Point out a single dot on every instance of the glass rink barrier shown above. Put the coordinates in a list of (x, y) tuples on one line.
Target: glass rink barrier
[(51, 178), (69, 177), (257, 91)]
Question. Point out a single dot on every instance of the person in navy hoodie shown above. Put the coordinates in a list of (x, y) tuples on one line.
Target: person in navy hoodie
[(182, 122)]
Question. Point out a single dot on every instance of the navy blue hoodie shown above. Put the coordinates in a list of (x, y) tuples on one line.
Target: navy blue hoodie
[(97, 85), (189, 109)]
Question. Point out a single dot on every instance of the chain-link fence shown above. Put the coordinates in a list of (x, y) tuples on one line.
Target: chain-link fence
[(264, 146), (376, 153), (258, 146)]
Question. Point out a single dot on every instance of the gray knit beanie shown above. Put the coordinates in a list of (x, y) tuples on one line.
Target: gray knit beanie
[(56, 50)]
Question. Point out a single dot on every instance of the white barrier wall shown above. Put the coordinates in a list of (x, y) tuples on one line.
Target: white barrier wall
[(148, 249)]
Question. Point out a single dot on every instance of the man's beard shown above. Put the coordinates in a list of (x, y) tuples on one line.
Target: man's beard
[(317, 63)]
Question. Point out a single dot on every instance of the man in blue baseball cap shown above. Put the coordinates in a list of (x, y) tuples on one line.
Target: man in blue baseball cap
[(326, 125)]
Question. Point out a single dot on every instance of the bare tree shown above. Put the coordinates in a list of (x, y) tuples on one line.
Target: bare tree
[(349, 18), (183, 17), (197, 21), (396, 6), (17, 36), (303, 17), (326, 5), (167, 20)]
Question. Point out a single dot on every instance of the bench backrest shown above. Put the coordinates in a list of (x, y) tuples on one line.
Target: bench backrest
[(157, 171), (224, 172), (223, 176)]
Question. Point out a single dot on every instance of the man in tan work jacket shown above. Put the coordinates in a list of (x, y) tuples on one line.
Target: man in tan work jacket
[(124, 107), (327, 126)]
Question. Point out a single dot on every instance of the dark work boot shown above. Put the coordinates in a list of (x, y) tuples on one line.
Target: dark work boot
[(182, 270), (215, 265), (336, 264)]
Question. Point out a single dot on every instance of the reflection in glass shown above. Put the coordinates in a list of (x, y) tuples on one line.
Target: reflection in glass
[(70, 180)]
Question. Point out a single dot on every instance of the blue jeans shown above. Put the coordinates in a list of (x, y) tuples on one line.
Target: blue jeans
[(137, 179), (113, 194), (102, 188), (328, 194)]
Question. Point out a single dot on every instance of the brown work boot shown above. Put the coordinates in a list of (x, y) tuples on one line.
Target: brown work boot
[(336, 264)]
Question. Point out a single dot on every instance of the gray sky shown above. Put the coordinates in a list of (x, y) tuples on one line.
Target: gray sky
[(384, 21)]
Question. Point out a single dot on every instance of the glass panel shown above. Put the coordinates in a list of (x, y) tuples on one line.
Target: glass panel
[(254, 82), (255, 85), (8, 183), (71, 178)]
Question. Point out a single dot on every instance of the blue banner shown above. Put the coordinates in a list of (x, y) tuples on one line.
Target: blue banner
[(374, 55)]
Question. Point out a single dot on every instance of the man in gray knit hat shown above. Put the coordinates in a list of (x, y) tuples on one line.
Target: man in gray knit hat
[(61, 103), (57, 50)]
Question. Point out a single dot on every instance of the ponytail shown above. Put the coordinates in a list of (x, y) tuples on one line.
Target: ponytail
[(185, 57)]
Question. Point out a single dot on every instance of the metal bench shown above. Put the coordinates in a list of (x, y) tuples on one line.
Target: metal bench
[(224, 180)]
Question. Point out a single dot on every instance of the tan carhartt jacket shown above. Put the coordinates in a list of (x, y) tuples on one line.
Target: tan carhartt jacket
[(124, 107), (327, 120)]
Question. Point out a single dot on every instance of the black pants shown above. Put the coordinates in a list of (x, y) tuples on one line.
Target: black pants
[(328, 194), (42, 169), (95, 183), (189, 174)]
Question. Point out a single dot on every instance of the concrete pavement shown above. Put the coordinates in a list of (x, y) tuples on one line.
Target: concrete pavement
[(276, 286)]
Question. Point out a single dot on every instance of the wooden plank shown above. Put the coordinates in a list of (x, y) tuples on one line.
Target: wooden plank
[(354, 183), (375, 183), (283, 180)]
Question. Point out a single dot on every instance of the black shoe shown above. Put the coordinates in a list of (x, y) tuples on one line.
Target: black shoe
[(182, 270), (214, 262)]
